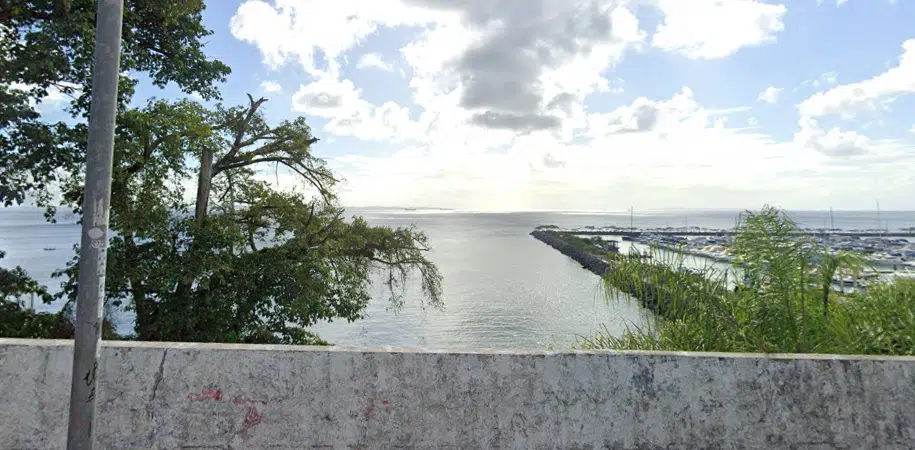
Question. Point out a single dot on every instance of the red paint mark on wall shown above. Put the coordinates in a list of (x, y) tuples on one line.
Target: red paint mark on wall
[(210, 392), (370, 409), (252, 417)]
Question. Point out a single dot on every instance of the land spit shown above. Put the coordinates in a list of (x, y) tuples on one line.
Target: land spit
[(650, 295)]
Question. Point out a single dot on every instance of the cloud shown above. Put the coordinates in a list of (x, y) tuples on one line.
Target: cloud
[(770, 95), (684, 153), (710, 29), (625, 155), (515, 58), (294, 30), (827, 79), (373, 61), (515, 122), (509, 106), (327, 97), (550, 161), (645, 115), (271, 86), (499, 60), (848, 99), (350, 115), (834, 142), (509, 65)]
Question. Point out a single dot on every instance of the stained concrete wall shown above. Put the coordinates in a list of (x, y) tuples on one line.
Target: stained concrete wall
[(170, 396)]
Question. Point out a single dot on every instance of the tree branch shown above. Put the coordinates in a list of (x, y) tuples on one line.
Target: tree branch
[(240, 164), (243, 124)]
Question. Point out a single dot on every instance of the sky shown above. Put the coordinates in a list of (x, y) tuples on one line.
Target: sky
[(515, 105)]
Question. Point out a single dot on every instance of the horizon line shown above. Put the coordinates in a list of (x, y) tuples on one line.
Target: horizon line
[(625, 210)]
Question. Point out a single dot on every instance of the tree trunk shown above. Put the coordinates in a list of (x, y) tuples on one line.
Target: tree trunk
[(145, 321), (203, 186), (204, 180)]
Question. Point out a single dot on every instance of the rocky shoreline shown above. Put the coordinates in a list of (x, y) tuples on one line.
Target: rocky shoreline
[(589, 261), (648, 295)]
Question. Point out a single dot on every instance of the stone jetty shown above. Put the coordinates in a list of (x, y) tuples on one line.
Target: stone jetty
[(588, 260), (655, 297)]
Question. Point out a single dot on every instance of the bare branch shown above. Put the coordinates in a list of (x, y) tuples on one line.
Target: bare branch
[(243, 123)]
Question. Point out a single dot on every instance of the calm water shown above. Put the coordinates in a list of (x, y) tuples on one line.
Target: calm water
[(502, 288)]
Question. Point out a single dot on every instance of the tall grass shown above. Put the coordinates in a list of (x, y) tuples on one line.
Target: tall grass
[(784, 304)]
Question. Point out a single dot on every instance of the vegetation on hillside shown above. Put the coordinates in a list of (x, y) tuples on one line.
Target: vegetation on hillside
[(243, 261), (785, 304)]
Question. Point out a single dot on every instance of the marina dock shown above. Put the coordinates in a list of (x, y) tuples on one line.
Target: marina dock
[(638, 233)]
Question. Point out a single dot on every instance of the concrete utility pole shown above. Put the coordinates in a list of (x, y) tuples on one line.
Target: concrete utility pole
[(94, 240)]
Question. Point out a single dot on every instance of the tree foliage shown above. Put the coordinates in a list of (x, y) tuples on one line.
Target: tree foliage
[(17, 321), (242, 261), (20, 322), (47, 46)]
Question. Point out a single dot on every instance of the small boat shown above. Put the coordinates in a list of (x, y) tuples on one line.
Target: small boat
[(49, 249)]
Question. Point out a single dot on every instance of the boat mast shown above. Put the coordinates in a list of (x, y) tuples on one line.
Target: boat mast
[(878, 215)]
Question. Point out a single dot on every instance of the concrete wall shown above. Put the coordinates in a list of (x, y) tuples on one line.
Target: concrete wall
[(170, 396)]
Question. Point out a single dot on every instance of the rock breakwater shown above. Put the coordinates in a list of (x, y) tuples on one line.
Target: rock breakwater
[(588, 260)]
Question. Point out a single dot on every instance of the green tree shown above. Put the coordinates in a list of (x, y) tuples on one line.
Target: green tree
[(47, 45), (832, 264), (241, 262), (20, 322)]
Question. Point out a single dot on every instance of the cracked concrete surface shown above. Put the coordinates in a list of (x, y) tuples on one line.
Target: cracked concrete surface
[(169, 396)]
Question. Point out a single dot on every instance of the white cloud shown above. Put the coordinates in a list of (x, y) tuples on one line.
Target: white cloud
[(834, 142), (271, 86), (826, 79), (770, 95), (373, 60), (638, 151), (709, 29), (293, 29), (498, 117), (848, 99), (645, 115), (349, 115)]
